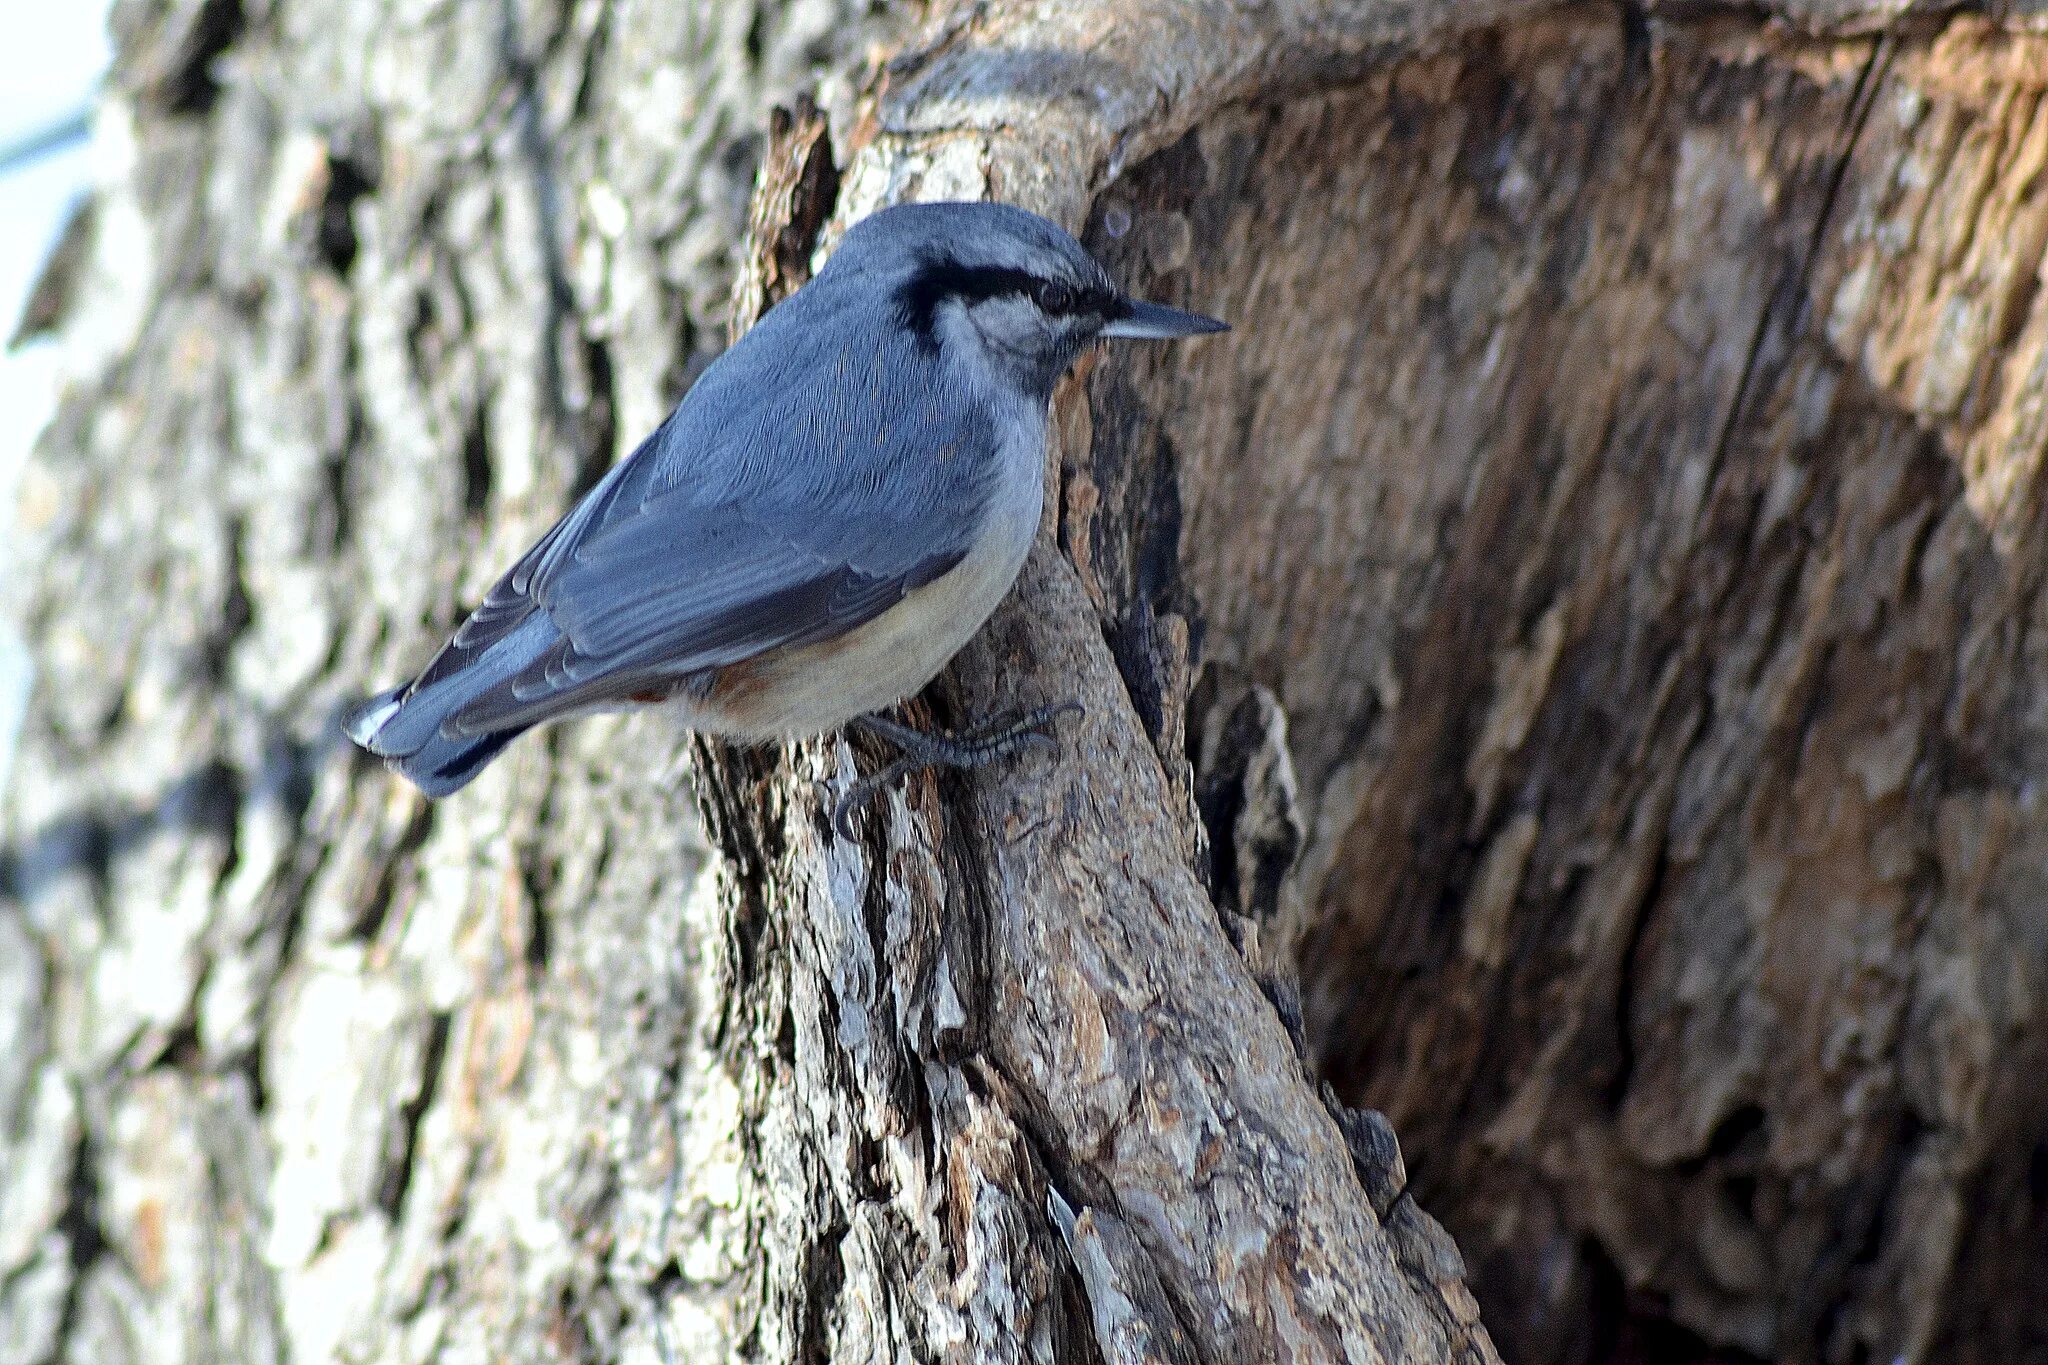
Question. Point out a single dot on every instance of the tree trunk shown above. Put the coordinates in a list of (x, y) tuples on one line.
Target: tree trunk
[(1584, 616)]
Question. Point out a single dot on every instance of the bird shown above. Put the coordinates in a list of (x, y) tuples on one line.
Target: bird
[(829, 514)]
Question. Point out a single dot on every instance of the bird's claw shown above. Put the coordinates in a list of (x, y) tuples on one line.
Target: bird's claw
[(994, 740)]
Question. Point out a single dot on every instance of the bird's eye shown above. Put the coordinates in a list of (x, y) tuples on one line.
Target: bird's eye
[(1054, 297)]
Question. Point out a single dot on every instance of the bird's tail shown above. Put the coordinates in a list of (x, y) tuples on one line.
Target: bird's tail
[(408, 726), (439, 765)]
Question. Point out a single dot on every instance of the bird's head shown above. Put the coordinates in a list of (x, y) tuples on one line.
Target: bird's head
[(999, 285)]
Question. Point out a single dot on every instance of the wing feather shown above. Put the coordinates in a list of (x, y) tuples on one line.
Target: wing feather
[(795, 494)]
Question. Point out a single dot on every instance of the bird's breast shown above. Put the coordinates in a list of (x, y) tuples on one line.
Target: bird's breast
[(809, 689)]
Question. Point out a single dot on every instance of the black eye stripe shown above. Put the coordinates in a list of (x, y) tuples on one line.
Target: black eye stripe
[(975, 283), (1058, 296), (940, 278)]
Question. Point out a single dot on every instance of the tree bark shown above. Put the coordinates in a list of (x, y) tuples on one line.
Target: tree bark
[(1582, 625)]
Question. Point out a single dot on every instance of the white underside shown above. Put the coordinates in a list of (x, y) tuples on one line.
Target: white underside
[(815, 688)]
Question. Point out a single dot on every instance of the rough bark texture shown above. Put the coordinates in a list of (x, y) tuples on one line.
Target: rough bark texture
[(291, 1064), (1585, 615)]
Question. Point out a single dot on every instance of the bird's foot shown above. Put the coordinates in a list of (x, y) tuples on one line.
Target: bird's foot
[(977, 747)]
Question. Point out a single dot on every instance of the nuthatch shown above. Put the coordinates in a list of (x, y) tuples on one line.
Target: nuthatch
[(830, 513)]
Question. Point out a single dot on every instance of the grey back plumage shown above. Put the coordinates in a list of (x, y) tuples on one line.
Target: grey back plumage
[(822, 468), (842, 454), (802, 491)]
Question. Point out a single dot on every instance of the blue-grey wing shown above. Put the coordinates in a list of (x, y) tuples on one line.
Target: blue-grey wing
[(795, 495)]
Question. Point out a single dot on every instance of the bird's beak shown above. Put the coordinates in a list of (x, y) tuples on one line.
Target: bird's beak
[(1157, 322)]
